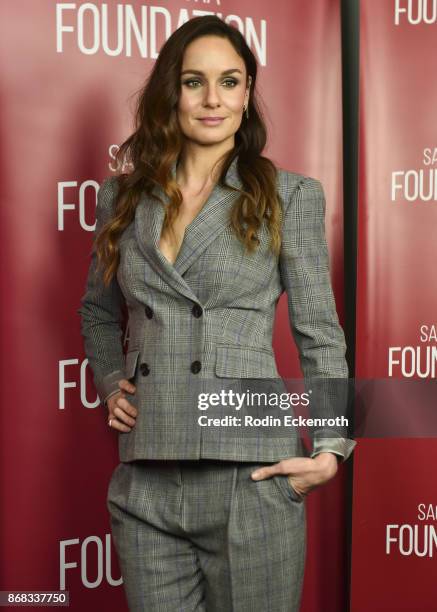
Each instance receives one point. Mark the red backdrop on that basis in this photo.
(397, 302)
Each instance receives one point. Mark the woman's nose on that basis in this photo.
(212, 97)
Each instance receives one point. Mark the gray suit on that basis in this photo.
(193, 531)
(210, 317)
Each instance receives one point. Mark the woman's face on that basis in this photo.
(213, 85)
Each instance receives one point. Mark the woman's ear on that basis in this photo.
(247, 91)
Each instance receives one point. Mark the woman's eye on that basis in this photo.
(231, 82)
(190, 81)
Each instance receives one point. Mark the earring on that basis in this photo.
(246, 109)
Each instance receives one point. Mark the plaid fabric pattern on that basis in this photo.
(202, 535)
(210, 316)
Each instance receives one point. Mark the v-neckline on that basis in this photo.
(187, 227)
(199, 232)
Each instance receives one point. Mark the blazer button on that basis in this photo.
(144, 369)
(197, 311)
(149, 312)
(196, 367)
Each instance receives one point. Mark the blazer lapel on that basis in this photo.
(209, 222)
(212, 219)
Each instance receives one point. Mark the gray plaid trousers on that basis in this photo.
(201, 535)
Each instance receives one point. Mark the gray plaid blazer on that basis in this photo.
(209, 316)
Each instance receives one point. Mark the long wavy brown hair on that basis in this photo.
(158, 140)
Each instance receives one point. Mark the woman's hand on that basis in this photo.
(303, 473)
(122, 413)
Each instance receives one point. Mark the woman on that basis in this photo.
(199, 241)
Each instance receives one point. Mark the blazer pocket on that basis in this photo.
(244, 362)
(131, 361)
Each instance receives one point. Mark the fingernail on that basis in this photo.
(256, 475)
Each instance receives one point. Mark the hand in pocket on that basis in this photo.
(303, 473)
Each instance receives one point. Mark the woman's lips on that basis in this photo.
(212, 120)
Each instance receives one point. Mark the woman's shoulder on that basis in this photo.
(288, 182)
(108, 189)
(109, 185)
(106, 197)
(289, 178)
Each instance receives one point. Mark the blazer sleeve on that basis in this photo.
(305, 276)
(101, 310)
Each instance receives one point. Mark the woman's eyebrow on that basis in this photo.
(202, 73)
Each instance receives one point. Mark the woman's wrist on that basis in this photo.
(328, 462)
